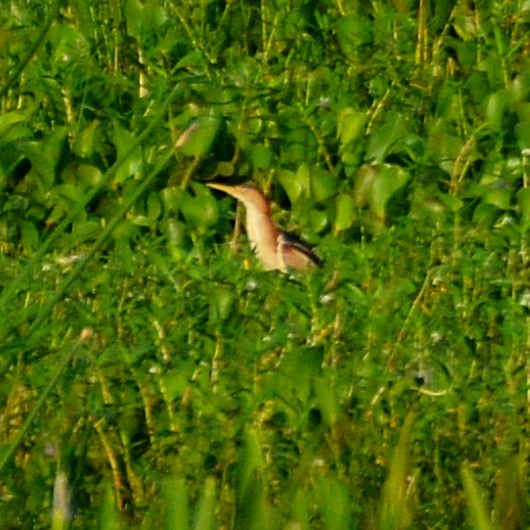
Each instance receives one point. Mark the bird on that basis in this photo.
(275, 249)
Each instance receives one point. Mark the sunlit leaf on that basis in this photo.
(172, 198)
(476, 501)
(499, 196)
(296, 183)
(10, 118)
(351, 125)
(89, 175)
(345, 212)
(363, 184)
(206, 508)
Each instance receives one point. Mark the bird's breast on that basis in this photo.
(263, 237)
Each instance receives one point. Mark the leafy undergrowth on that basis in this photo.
(154, 378)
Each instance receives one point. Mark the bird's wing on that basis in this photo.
(295, 254)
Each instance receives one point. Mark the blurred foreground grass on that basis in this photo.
(152, 380)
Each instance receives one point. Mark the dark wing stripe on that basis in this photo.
(293, 241)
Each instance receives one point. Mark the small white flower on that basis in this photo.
(251, 285)
(155, 369)
(326, 298)
(525, 299)
(436, 336)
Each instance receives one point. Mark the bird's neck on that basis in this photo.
(263, 236)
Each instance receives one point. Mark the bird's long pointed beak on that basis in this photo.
(237, 192)
(252, 198)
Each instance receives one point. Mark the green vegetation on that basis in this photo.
(154, 378)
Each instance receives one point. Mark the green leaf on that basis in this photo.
(495, 107)
(298, 143)
(345, 212)
(334, 503)
(250, 487)
(200, 209)
(396, 509)
(86, 142)
(175, 233)
(383, 139)
(135, 18)
(523, 201)
(70, 191)
(386, 183)
(194, 59)
(353, 31)
(199, 136)
(221, 302)
(206, 508)
(261, 156)
(499, 196)
(8, 119)
(363, 183)
(171, 198)
(109, 518)
(375, 185)
(323, 184)
(319, 220)
(154, 206)
(225, 169)
(29, 236)
(510, 491)
(476, 501)
(451, 202)
(176, 502)
(45, 155)
(296, 183)
(132, 164)
(250, 463)
(89, 176)
(351, 126)
(326, 400)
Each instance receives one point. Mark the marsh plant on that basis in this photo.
(153, 376)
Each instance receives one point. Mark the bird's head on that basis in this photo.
(252, 198)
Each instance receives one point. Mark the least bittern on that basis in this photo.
(275, 249)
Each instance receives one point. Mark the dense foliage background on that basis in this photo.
(153, 377)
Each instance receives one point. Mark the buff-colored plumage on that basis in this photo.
(275, 249)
